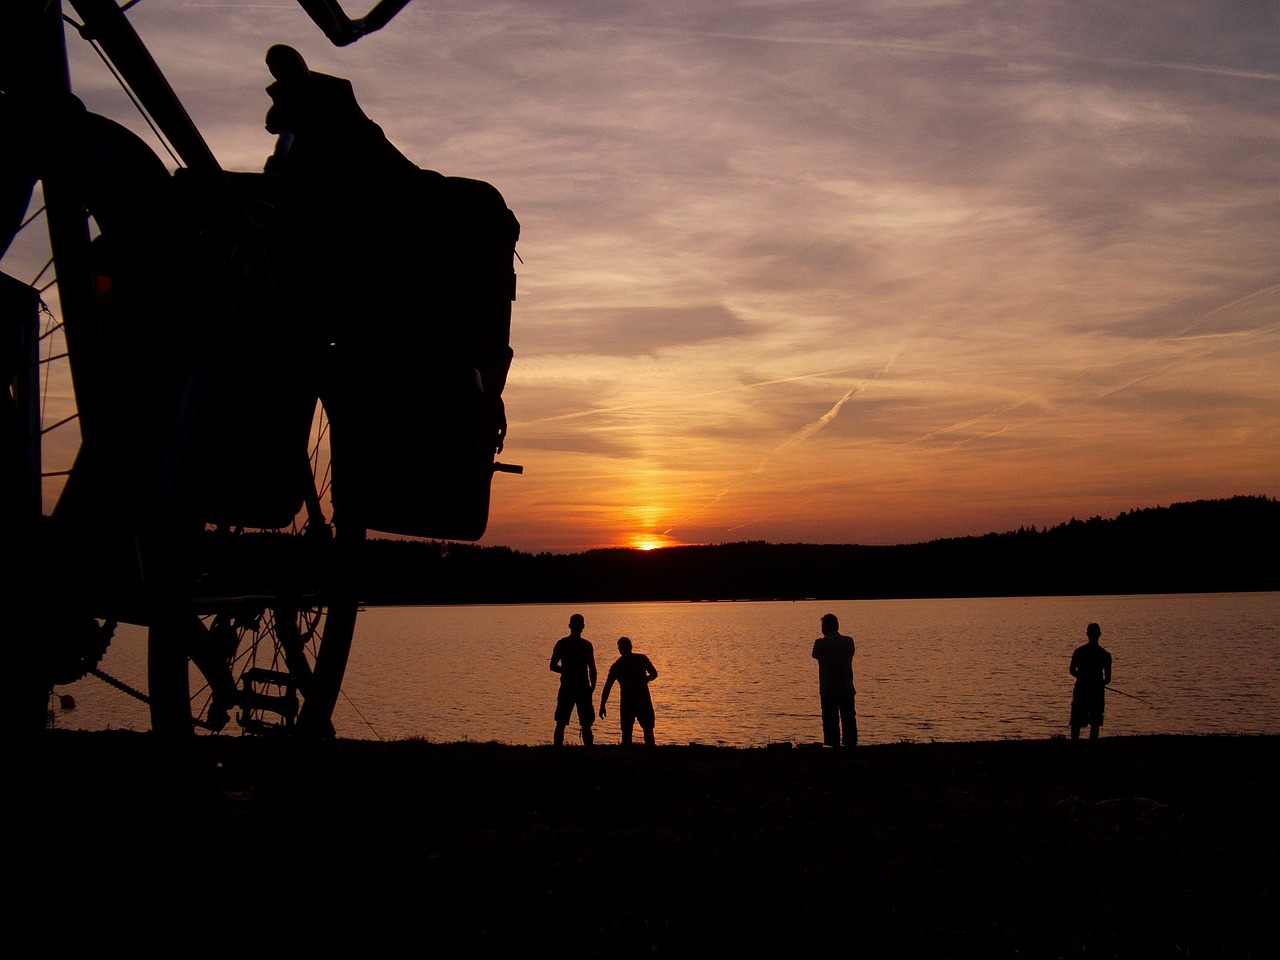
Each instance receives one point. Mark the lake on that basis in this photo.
(740, 674)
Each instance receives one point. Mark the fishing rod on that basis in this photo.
(1130, 696)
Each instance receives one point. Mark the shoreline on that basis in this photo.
(1128, 846)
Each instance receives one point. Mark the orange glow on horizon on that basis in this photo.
(650, 541)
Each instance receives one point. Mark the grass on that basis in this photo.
(1124, 847)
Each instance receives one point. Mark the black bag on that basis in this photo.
(418, 412)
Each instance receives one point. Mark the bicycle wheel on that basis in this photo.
(261, 645)
(57, 637)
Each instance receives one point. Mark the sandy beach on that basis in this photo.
(1124, 847)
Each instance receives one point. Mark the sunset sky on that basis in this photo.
(832, 272)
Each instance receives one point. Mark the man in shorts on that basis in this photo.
(575, 660)
(1091, 666)
(632, 671)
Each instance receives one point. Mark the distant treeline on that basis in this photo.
(1204, 546)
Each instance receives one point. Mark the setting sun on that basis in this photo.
(648, 541)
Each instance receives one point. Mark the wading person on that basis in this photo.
(633, 672)
(575, 660)
(1091, 666)
(834, 653)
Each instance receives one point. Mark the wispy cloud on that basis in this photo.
(870, 272)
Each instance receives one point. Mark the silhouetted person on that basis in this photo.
(834, 653)
(632, 671)
(575, 660)
(1091, 666)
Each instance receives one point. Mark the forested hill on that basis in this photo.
(1204, 546)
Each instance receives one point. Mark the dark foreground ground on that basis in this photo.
(1127, 847)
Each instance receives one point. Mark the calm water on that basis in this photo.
(740, 674)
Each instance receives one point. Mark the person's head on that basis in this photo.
(1093, 631)
(624, 644)
(576, 623)
(830, 623)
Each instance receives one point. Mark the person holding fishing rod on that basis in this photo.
(1091, 666)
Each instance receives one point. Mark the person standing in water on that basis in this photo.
(575, 660)
(633, 672)
(834, 653)
(1091, 666)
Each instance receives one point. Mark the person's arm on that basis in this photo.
(608, 685)
(591, 667)
(815, 648)
(1074, 669)
(1106, 670)
(650, 671)
(555, 659)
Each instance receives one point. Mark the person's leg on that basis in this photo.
(1079, 712)
(586, 717)
(627, 714)
(830, 721)
(849, 717)
(644, 713)
(1093, 730)
(564, 709)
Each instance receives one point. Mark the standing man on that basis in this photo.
(1091, 666)
(575, 660)
(834, 653)
(633, 671)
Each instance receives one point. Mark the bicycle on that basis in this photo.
(234, 443)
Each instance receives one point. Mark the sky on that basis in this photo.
(827, 272)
